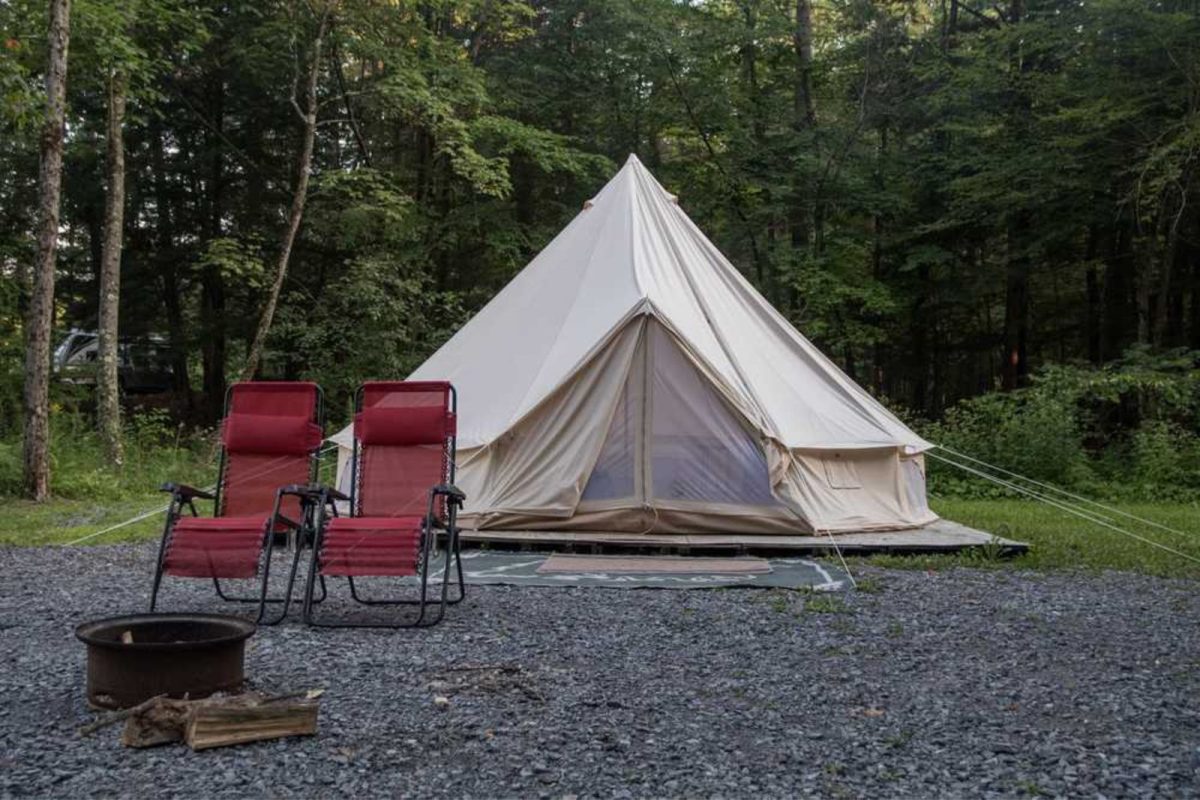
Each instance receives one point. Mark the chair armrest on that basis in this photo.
(309, 491)
(456, 495)
(185, 493)
(313, 491)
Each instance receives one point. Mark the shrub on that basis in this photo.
(155, 451)
(1126, 430)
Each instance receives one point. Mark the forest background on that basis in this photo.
(985, 213)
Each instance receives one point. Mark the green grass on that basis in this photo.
(1059, 540)
(60, 521)
(90, 497)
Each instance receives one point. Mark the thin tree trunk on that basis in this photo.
(172, 302)
(41, 302)
(1016, 307)
(1194, 313)
(804, 107)
(108, 390)
(309, 116)
(804, 118)
(1167, 257)
(1016, 289)
(1143, 265)
(212, 283)
(1094, 314)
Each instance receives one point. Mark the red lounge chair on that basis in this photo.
(270, 440)
(402, 495)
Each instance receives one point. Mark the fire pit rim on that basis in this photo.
(240, 630)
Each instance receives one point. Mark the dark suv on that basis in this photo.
(143, 366)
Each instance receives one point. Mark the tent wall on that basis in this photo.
(736, 519)
(855, 490)
(673, 457)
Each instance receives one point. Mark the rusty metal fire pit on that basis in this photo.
(136, 657)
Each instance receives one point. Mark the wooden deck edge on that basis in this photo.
(948, 538)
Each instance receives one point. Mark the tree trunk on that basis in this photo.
(1143, 265)
(1016, 308)
(212, 294)
(749, 56)
(1016, 283)
(299, 196)
(1094, 313)
(804, 107)
(1194, 313)
(1167, 257)
(804, 118)
(41, 302)
(181, 388)
(108, 390)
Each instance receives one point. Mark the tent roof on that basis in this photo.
(633, 250)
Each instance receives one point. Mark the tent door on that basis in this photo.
(673, 441)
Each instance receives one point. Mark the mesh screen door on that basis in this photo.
(673, 438)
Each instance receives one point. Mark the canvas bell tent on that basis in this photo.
(630, 379)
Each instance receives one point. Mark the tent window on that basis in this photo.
(840, 472)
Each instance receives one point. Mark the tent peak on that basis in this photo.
(633, 159)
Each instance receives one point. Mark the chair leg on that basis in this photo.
(421, 602)
(287, 595)
(462, 584)
(445, 583)
(246, 599)
(306, 611)
(158, 566)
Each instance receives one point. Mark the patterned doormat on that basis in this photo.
(524, 569)
(639, 565)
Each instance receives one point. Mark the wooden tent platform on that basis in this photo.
(943, 536)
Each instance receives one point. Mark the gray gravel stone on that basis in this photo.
(952, 684)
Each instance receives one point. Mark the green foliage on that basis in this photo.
(157, 450)
(1126, 430)
(945, 157)
(11, 358)
(236, 260)
(1028, 432)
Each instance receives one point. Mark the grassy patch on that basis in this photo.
(1059, 540)
(60, 521)
(88, 495)
(825, 604)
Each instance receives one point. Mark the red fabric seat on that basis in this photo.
(403, 454)
(219, 547)
(375, 546)
(270, 438)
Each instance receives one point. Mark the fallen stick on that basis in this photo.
(117, 716)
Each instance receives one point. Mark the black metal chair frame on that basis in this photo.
(183, 496)
(431, 526)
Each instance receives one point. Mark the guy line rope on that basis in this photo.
(1055, 502)
(1063, 505)
(162, 509)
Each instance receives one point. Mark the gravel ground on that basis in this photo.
(952, 684)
